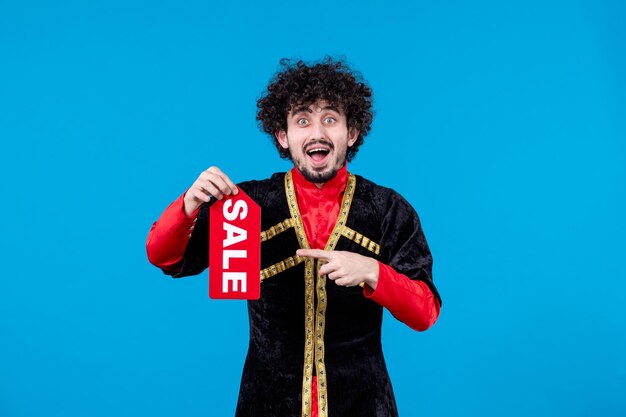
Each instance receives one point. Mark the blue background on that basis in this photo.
(503, 123)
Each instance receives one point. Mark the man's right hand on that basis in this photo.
(212, 182)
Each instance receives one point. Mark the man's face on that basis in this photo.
(318, 138)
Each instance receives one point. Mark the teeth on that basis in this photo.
(324, 150)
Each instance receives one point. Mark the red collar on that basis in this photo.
(338, 183)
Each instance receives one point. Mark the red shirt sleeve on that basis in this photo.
(410, 301)
(169, 235)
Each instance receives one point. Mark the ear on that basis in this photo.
(281, 137)
(353, 135)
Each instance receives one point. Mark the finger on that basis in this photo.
(231, 185)
(212, 190)
(344, 282)
(334, 275)
(327, 268)
(200, 195)
(217, 181)
(315, 253)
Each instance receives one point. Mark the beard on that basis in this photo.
(320, 177)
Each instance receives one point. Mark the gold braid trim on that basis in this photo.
(311, 274)
(321, 299)
(276, 229)
(281, 266)
(309, 295)
(320, 325)
(359, 239)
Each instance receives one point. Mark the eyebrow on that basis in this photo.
(303, 108)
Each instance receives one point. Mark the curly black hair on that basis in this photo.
(298, 84)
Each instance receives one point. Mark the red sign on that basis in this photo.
(235, 248)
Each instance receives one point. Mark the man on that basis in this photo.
(336, 249)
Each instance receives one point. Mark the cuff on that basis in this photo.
(410, 301)
(169, 235)
(381, 293)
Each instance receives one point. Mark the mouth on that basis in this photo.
(318, 153)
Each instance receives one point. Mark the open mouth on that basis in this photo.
(318, 153)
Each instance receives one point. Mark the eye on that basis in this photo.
(302, 122)
(330, 120)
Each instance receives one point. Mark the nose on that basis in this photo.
(318, 131)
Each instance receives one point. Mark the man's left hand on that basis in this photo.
(347, 269)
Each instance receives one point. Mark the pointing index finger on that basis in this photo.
(315, 253)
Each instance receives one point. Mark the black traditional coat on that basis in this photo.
(304, 324)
